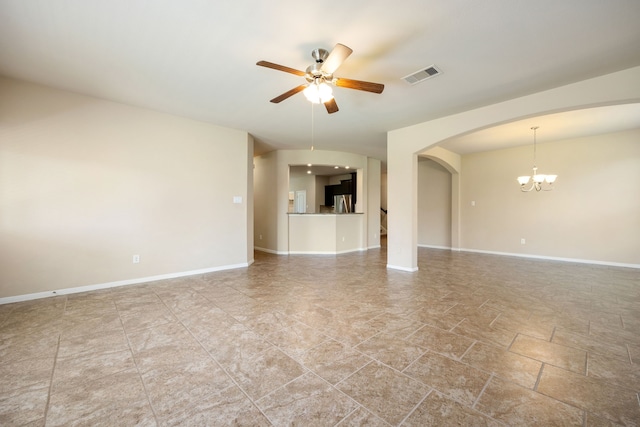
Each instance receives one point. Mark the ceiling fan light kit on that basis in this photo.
(319, 76)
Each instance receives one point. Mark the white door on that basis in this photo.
(301, 201)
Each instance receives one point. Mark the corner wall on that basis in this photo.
(85, 184)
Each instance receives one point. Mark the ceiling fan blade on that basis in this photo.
(337, 56)
(289, 93)
(280, 68)
(331, 105)
(359, 85)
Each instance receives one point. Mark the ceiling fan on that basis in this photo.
(320, 74)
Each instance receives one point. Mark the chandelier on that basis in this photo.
(538, 181)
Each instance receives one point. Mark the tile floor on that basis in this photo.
(469, 339)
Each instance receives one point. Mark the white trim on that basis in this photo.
(270, 251)
(397, 267)
(326, 252)
(434, 247)
(550, 258)
(66, 291)
(374, 247)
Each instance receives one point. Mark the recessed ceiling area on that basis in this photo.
(552, 127)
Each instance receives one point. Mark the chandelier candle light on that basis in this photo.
(537, 179)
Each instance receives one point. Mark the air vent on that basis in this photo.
(419, 76)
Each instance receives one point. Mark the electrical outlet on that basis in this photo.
(261, 237)
(523, 241)
(136, 259)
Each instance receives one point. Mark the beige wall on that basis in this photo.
(85, 184)
(593, 214)
(434, 205)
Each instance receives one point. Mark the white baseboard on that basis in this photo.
(270, 251)
(550, 258)
(75, 290)
(397, 267)
(543, 257)
(326, 252)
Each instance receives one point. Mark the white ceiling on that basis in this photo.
(197, 58)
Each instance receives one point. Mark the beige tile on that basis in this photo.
(532, 328)
(229, 344)
(103, 342)
(634, 353)
(441, 341)
(75, 370)
(228, 406)
(204, 323)
(362, 417)
(592, 394)
(455, 379)
(154, 315)
(113, 400)
(296, 339)
(589, 343)
(383, 391)
(438, 410)
(24, 406)
(516, 405)
(595, 421)
(20, 347)
(554, 354)
(309, 401)
(505, 364)
(486, 334)
(391, 350)
(175, 388)
(264, 372)
(168, 344)
(89, 324)
(27, 373)
(267, 322)
(619, 372)
(396, 325)
(350, 334)
(334, 361)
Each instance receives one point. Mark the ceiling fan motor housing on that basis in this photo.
(319, 55)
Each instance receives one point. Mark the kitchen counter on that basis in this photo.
(325, 233)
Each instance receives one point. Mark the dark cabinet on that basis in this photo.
(346, 186)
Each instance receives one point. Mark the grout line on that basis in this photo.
(621, 321)
(535, 387)
(467, 350)
(553, 333)
(473, 406)
(133, 356)
(494, 320)
(584, 418)
(416, 407)
(629, 353)
(513, 341)
(488, 299)
(586, 363)
(456, 325)
(356, 371)
(53, 371)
